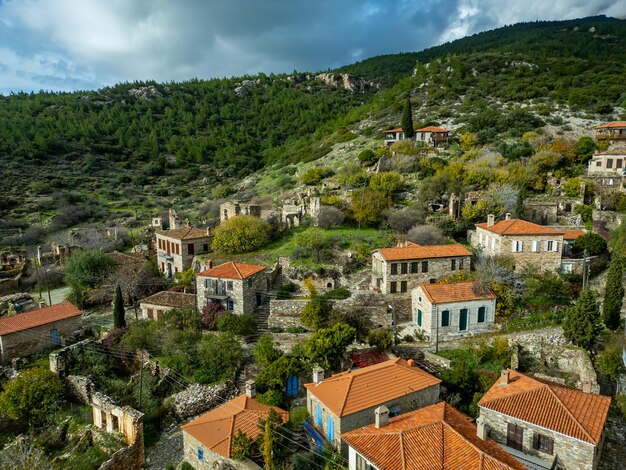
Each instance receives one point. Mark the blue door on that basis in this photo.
(54, 337)
(292, 386)
(330, 429)
(318, 416)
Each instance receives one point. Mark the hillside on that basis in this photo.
(124, 152)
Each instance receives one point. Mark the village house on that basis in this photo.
(544, 424)
(611, 131)
(446, 311)
(230, 209)
(347, 400)
(607, 163)
(208, 439)
(403, 267)
(528, 244)
(154, 306)
(437, 436)
(176, 248)
(431, 136)
(23, 334)
(238, 287)
(569, 236)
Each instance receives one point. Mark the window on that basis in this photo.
(200, 453)
(208, 283)
(461, 263)
(177, 249)
(230, 305)
(250, 282)
(419, 317)
(536, 246)
(445, 318)
(517, 246)
(403, 286)
(543, 443)
(205, 247)
(598, 163)
(481, 314)
(361, 463)
(609, 163)
(191, 249)
(404, 268)
(549, 245)
(514, 436)
(394, 269)
(619, 163)
(150, 314)
(229, 285)
(453, 265)
(424, 266)
(393, 287)
(414, 267)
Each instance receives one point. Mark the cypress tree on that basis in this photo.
(613, 295)
(119, 314)
(582, 322)
(407, 119)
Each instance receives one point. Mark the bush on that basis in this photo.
(316, 312)
(386, 182)
(314, 241)
(367, 156)
(241, 234)
(426, 235)
(340, 293)
(211, 314)
(592, 242)
(351, 175)
(218, 356)
(329, 216)
(610, 363)
(571, 187)
(221, 191)
(401, 220)
(270, 398)
(242, 325)
(382, 339)
(585, 211)
(368, 205)
(313, 176)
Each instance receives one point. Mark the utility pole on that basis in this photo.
(141, 384)
(394, 323)
(36, 261)
(437, 331)
(585, 271)
(45, 272)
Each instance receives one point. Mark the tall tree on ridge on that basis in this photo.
(407, 119)
(119, 314)
(613, 294)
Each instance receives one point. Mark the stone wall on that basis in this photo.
(243, 294)
(286, 313)
(211, 460)
(197, 399)
(80, 388)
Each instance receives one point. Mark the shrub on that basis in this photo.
(571, 187)
(367, 156)
(592, 242)
(241, 234)
(368, 205)
(314, 241)
(426, 235)
(386, 182)
(610, 363)
(351, 175)
(243, 325)
(221, 191)
(316, 312)
(585, 211)
(313, 176)
(211, 314)
(330, 216)
(401, 220)
(270, 398)
(382, 339)
(264, 351)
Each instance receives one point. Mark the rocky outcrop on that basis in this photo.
(197, 398)
(345, 81)
(145, 93)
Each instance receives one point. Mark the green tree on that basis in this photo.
(386, 182)
(32, 397)
(218, 357)
(184, 318)
(271, 442)
(264, 351)
(242, 447)
(407, 119)
(316, 312)
(367, 156)
(241, 234)
(572, 187)
(84, 269)
(329, 344)
(592, 242)
(382, 339)
(221, 191)
(313, 176)
(119, 314)
(368, 205)
(582, 321)
(584, 148)
(242, 325)
(613, 294)
(610, 362)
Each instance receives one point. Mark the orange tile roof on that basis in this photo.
(518, 227)
(232, 270)
(549, 405)
(573, 234)
(432, 129)
(456, 292)
(184, 233)
(41, 316)
(170, 299)
(355, 390)
(412, 251)
(216, 429)
(611, 125)
(437, 436)
(397, 129)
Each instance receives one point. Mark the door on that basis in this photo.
(292, 386)
(258, 299)
(330, 429)
(463, 319)
(54, 337)
(515, 436)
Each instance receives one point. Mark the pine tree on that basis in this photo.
(119, 314)
(582, 322)
(407, 120)
(613, 295)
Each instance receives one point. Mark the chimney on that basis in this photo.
(481, 429)
(504, 377)
(251, 388)
(490, 220)
(507, 216)
(410, 363)
(42, 303)
(586, 386)
(208, 231)
(381, 416)
(318, 375)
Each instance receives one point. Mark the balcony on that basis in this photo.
(219, 294)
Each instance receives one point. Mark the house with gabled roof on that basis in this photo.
(446, 311)
(401, 268)
(437, 436)
(208, 439)
(544, 423)
(430, 135)
(177, 247)
(25, 333)
(237, 287)
(154, 306)
(528, 244)
(611, 131)
(347, 400)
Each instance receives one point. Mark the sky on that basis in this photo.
(66, 45)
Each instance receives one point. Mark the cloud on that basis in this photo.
(69, 44)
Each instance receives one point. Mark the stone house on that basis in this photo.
(238, 287)
(431, 136)
(544, 424)
(230, 209)
(176, 248)
(23, 334)
(403, 267)
(528, 244)
(611, 131)
(154, 306)
(569, 236)
(437, 436)
(446, 311)
(607, 163)
(208, 439)
(347, 400)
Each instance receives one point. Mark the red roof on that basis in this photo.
(411, 251)
(573, 234)
(437, 436)
(549, 405)
(217, 428)
(34, 318)
(232, 270)
(185, 233)
(432, 129)
(397, 129)
(455, 292)
(612, 125)
(368, 358)
(518, 227)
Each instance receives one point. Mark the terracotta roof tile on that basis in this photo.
(437, 436)
(396, 129)
(611, 125)
(432, 129)
(455, 292)
(572, 234)
(232, 270)
(41, 316)
(549, 405)
(412, 251)
(171, 299)
(216, 429)
(518, 227)
(184, 233)
(354, 390)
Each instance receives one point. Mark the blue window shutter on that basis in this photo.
(419, 317)
(330, 429)
(200, 453)
(318, 416)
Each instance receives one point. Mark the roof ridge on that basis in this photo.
(402, 450)
(570, 414)
(345, 398)
(237, 269)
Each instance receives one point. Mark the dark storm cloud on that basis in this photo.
(70, 44)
